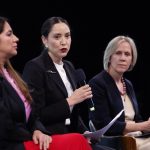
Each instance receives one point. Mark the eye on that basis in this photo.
(57, 36)
(127, 54)
(9, 33)
(118, 53)
(67, 35)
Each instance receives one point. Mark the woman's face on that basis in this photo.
(121, 60)
(58, 41)
(8, 42)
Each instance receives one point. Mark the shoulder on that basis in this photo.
(128, 83)
(98, 81)
(40, 60)
(34, 63)
(32, 69)
(68, 63)
(99, 78)
(102, 81)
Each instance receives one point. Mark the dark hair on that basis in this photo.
(2, 22)
(21, 84)
(49, 23)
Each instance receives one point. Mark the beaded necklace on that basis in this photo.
(124, 87)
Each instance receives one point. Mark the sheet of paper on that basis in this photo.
(99, 133)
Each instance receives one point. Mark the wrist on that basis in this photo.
(70, 103)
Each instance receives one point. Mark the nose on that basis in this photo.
(63, 41)
(16, 39)
(123, 57)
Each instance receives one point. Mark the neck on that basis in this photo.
(115, 75)
(118, 78)
(55, 59)
(3, 60)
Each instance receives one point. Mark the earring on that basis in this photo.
(46, 46)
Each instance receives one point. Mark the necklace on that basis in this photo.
(123, 92)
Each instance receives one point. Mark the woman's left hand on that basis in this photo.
(88, 139)
(42, 139)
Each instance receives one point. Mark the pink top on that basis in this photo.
(12, 82)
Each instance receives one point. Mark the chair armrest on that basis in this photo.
(119, 142)
(129, 143)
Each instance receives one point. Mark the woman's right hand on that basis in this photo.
(79, 95)
(42, 139)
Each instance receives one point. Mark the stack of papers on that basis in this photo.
(99, 133)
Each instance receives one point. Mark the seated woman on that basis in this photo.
(52, 81)
(112, 92)
(19, 128)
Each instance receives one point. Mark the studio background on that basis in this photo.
(93, 25)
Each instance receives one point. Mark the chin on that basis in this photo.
(12, 54)
(122, 71)
(64, 55)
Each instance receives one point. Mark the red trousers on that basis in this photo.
(70, 141)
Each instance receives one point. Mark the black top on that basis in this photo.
(108, 103)
(49, 93)
(13, 126)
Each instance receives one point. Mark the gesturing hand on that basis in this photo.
(79, 95)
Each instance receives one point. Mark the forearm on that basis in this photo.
(133, 126)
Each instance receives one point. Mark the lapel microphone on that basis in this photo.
(81, 80)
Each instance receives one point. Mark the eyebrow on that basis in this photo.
(60, 33)
(9, 30)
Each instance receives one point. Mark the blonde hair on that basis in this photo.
(112, 46)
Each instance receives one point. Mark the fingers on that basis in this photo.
(42, 139)
(49, 140)
(79, 95)
(45, 142)
(86, 87)
(87, 93)
(35, 140)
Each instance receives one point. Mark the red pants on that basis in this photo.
(71, 141)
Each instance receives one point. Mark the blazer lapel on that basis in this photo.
(53, 73)
(130, 94)
(70, 76)
(113, 93)
(16, 98)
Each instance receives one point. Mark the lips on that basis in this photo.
(15, 47)
(63, 50)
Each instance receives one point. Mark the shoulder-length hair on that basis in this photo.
(113, 45)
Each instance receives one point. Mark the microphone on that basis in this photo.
(81, 80)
